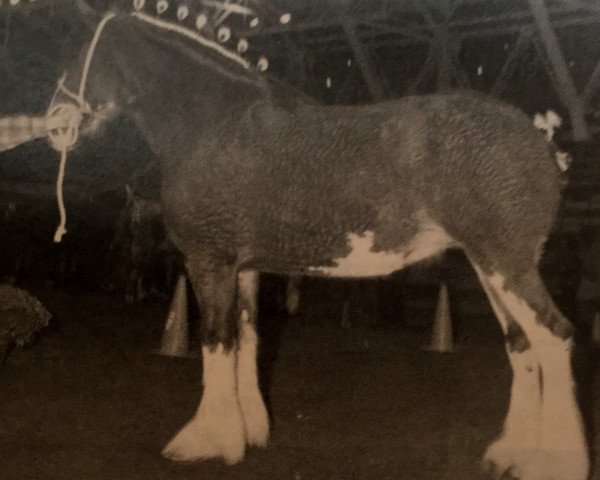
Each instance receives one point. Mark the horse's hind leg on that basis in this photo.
(520, 437)
(545, 336)
(256, 420)
(217, 429)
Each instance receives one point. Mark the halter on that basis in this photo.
(61, 139)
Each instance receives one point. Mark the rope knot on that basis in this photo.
(62, 123)
(63, 120)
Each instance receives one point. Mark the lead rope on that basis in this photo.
(63, 138)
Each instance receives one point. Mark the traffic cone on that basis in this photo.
(175, 340)
(292, 295)
(442, 337)
(596, 329)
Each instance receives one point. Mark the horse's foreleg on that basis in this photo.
(255, 415)
(217, 430)
(561, 452)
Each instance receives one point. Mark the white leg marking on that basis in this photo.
(562, 452)
(254, 412)
(217, 429)
(520, 436)
(562, 439)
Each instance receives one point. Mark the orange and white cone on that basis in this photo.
(442, 339)
(175, 340)
(292, 295)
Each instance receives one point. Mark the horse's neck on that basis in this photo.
(173, 88)
(189, 114)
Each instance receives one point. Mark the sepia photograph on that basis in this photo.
(299, 239)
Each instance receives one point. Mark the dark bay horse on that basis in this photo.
(255, 178)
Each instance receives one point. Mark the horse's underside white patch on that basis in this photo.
(362, 261)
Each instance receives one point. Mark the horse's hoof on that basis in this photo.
(557, 465)
(256, 419)
(209, 436)
(506, 459)
(498, 471)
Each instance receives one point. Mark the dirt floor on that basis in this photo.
(91, 401)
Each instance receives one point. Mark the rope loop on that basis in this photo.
(63, 120)
(62, 123)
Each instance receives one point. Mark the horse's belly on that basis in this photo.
(362, 261)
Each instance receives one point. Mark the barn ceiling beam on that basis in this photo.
(379, 32)
(592, 7)
(485, 27)
(365, 63)
(512, 62)
(476, 27)
(336, 41)
(526, 16)
(420, 34)
(490, 32)
(558, 68)
(445, 47)
(591, 88)
(332, 44)
(542, 55)
(423, 9)
(425, 72)
(417, 34)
